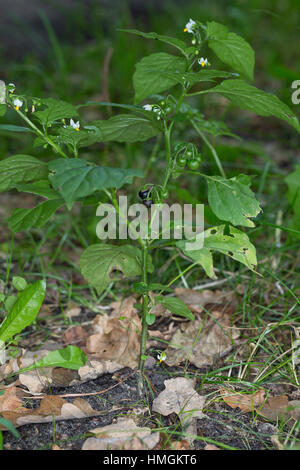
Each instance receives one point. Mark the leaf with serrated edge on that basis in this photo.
(149, 78)
(98, 261)
(21, 169)
(232, 200)
(257, 101)
(236, 245)
(74, 178)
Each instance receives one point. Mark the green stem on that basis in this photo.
(43, 136)
(144, 332)
(213, 151)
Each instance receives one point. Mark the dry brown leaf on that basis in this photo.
(211, 447)
(276, 407)
(246, 402)
(75, 335)
(180, 445)
(114, 339)
(180, 397)
(202, 341)
(196, 300)
(124, 434)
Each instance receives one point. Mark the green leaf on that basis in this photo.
(252, 99)
(196, 77)
(70, 357)
(3, 109)
(98, 262)
(9, 426)
(10, 302)
(236, 245)
(180, 45)
(54, 111)
(74, 178)
(231, 49)
(293, 195)
(21, 169)
(24, 311)
(124, 128)
(12, 128)
(149, 78)
(40, 188)
(175, 305)
(25, 219)
(19, 283)
(232, 199)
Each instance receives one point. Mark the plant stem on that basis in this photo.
(40, 134)
(214, 153)
(144, 309)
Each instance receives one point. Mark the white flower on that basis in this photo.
(18, 103)
(75, 125)
(148, 107)
(202, 62)
(189, 27)
(12, 85)
(162, 357)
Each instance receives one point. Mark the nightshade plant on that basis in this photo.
(68, 178)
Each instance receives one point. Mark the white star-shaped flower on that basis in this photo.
(162, 357)
(189, 27)
(148, 107)
(203, 62)
(18, 103)
(75, 125)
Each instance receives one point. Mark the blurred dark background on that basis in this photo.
(72, 50)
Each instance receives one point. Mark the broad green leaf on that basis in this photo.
(232, 49)
(252, 99)
(236, 245)
(98, 262)
(2, 109)
(175, 305)
(54, 111)
(232, 199)
(124, 128)
(70, 357)
(19, 283)
(74, 178)
(180, 45)
(21, 169)
(149, 78)
(40, 188)
(24, 311)
(12, 128)
(10, 302)
(216, 128)
(196, 77)
(293, 195)
(25, 219)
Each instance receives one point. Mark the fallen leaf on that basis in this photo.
(196, 300)
(124, 434)
(211, 447)
(180, 397)
(202, 341)
(246, 402)
(116, 339)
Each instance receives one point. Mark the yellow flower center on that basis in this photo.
(77, 128)
(185, 30)
(17, 108)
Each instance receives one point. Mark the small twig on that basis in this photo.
(70, 395)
